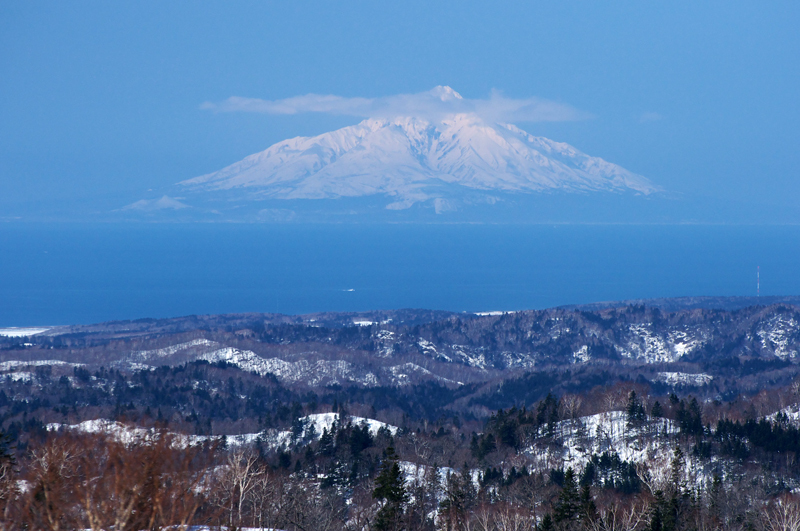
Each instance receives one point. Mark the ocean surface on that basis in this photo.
(69, 274)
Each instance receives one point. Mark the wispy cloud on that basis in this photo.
(650, 117)
(434, 104)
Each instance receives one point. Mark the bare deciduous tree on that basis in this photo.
(51, 503)
(782, 515)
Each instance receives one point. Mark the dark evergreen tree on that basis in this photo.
(390, 489)
(657, 411)
(589, 513)
(568, 506)
(634, 411)
(547, 524)
(326, 446)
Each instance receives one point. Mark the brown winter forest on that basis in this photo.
(714, 475)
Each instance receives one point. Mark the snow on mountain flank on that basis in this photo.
(778, 335)
(643, 343)
(581, 355)
(312, 427)
(610, 432)
(128, 434)
(149, 355)
(412, 160)
(311, 373)
(683, 378)
(791, 412)
(325, 421)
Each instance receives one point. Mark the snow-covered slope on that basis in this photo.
(21, 332)
(312, 429)
(322, 372)
(412, 160)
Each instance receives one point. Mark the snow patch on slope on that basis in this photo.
(645, 344)
(684, 378)
(128, 434)
(581, 355)
(312, 427)
(313, 374)
(778, 335)
(610, 432)
(156, 354)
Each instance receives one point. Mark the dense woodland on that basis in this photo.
(622, 419)
(721, 468)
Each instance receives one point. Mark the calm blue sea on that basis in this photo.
(69, 274)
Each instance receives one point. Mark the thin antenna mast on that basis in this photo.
(758, 281)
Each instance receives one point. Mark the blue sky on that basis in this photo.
(101, 101)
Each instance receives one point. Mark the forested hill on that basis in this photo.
(623, 418)
(715, 353)
(692, 303)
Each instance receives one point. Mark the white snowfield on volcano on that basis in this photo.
(413, 160)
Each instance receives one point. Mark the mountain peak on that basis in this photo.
(445, 93)
(409, 160)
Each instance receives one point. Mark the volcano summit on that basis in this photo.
(451, 158)
(413, 160)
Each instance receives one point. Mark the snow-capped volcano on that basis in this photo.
(413, 160)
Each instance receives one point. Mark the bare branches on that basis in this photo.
(96, 483)
(782, 515)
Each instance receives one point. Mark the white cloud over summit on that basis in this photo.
(433, 105)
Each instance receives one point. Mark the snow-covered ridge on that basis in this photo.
(312, 429)
(411, 159)
(325, 421)
(305, 371)
(128, 434)
(610, 432)
(321, 372)
(22, 332)
(149, 355)
(311, 373)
